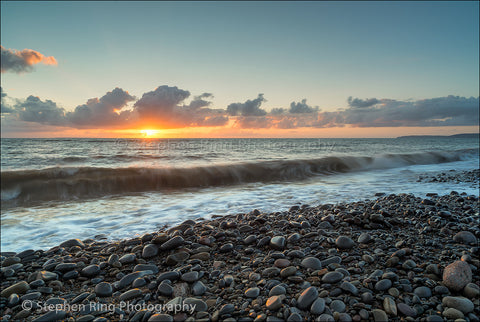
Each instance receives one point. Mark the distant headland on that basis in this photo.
(463, 136)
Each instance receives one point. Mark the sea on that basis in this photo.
(56, 189)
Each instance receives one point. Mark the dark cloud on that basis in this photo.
(278, 111)
(302, 107)
(104, 111)
(160, 103)
(33, 109)
(199, 101)
(441, 111)
(214, 120)
(253, 122)
(165, 107)
(19, 61)
(5, 108)
(249, 108)
(356, 102)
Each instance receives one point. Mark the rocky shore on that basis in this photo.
(397, 257)
(454, 176)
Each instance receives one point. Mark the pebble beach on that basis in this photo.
(395, 257)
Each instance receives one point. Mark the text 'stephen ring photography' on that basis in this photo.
(240, 161)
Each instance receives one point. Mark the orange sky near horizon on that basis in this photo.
(48, 131)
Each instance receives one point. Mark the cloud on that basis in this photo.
(441, 111)
(161, 102)
(278, 111)
(22, 61)
(199, 101)
(249, 108)
(104, 111)
(302, 107)
(167, 107)
(253, 122)
(356, 102)
(5, 108)
(33, 109)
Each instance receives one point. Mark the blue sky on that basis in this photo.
(321, 51)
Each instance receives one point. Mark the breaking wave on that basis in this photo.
(67, 183)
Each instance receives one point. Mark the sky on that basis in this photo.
(239, 69)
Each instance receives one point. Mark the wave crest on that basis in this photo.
(66, 183)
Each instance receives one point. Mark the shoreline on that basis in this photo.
(387, 258)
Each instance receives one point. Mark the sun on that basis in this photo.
(148, 133)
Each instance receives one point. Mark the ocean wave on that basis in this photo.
(67, 183)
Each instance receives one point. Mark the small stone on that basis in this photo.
(130, 294)
(51, 316)
(364, 238)
(65, 267)
(150, 251)
(332, 277)
(71, 243)
(171, 275)
(434, 318)
(331, 260)
(389, 306)
(177, 258)
(277, 290)
(423, 291)
(128, 279)
(199, 288)
(465, 237)
(103, 289)
(277, 242)
(383, 285)
(318, 306)
(337, 306)
(90, 271)
(307, 297)
(181, 289)
(203, 256)
(18, 288)
(252, 292)
(288, 271)
(471, 291)
(344, 242)
(349, 287)
(200, 305)
(226, 309)
(409, 264)
(379, 315)
(295, 317)
(190, 277)
(251, 239)
(312, 263)
(226, 248)
(406, 310)
(460, 303)
(127, 258)
(457, 275)
(47, 276)
(274, 302)
(10, 261)
(281, 263)
(165, 289)
(326, 318)
(172, 243)
(452, 314)
(13, 300)
(160, 318)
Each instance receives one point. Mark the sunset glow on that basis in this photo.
(149, 133)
